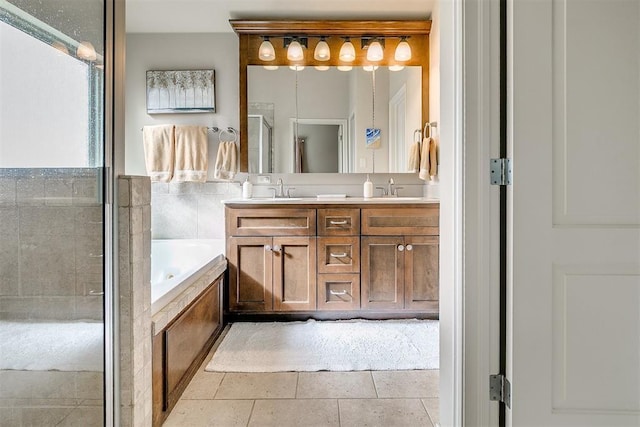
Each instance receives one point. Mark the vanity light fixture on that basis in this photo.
(345, 67)
(294, 51)
(403, 50)
(322, 51)
(347, 51)
(296, 67)
(266, 52)
(370, 67)
(321, 67)
(270, 67)
(374, 51)
(86, 51)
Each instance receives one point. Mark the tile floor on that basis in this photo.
(306, 399)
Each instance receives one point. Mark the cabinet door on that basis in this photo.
(294, 273)
(250, 273)
(382, 265)
(421, 290)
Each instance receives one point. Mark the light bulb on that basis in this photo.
(347, 51)
(396, 67)
(321, 67)
(322, 51)
(266, 52)
(374, 51)
(370, 67)
(403, 51)
(294, 52)
(86, 51)
(345, 67)
(270, 67)
(296, 67)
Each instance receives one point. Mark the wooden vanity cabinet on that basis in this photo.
(272, 259)
(400, 258)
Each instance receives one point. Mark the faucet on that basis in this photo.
(280, 188)
(280, 192)
(391, 190)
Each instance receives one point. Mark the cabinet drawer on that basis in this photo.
(401, 221)
(338, 222)
(271, 222)
(338, 291)
(338, 254)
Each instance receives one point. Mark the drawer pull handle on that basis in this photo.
(409, 247)
(401, 248)
(344, 222)
(342, 255)
(332, 292)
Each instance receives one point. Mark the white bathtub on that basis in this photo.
(176, 264)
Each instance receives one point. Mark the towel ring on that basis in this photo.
(230, 132)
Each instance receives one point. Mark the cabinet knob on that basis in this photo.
(401, 248)
(267, 247)
(277, 248)
(409, 247)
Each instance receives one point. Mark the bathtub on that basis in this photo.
(176, 264)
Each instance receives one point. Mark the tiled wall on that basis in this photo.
(134, 243)
(190, 210)
(51, 244)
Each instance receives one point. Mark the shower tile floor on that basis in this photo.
(366, 398)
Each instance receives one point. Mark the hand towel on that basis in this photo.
(424, 159)
(159, 150)
(433, 157)
(226, 161)
(414, 157)
(191, 154)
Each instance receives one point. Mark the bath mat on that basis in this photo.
(51, 346)
(352, 345)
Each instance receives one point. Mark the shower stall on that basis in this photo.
(260, 144)
(55, 309)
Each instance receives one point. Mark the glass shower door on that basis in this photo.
(52, 245)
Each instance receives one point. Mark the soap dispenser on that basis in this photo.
(247, 188)
(368, 188)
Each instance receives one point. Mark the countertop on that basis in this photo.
(360, 201)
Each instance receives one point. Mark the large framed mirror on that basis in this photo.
(313, 114)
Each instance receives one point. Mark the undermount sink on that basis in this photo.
(391, 199)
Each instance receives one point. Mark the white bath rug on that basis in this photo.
(47, 346)
(353, 345)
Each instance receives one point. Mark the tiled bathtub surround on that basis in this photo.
(51, 252)
(134, 242)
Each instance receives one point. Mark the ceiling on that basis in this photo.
(212, 16)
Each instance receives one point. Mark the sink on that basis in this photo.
(391, 199)
(271, 199)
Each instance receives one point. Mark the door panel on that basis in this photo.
(421, 273)
(382, 278)
(574, 272)
(250, 269)
(294, 271)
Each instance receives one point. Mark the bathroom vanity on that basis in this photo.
(332, 259)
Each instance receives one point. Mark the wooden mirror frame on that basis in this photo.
(251, 32)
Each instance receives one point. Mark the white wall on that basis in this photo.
(179, 52)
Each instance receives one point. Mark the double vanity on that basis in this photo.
(332, 258)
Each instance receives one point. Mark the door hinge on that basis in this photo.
(501, 171)
(500, 389)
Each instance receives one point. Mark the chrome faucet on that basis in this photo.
(280, 188)
(391, 190)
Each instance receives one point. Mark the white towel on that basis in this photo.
(226, 161)
(191, 154)
(159, 151)
(424, 159)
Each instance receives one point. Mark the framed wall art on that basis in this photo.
(187, 91)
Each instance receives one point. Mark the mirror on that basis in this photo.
(334, 108)
(332, 105)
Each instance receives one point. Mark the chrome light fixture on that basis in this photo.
(374, 51)
(266, 52)
(403, 51)
(294, 51)
(347, 51)
(322, 51)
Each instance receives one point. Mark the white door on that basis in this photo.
(574, 212)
